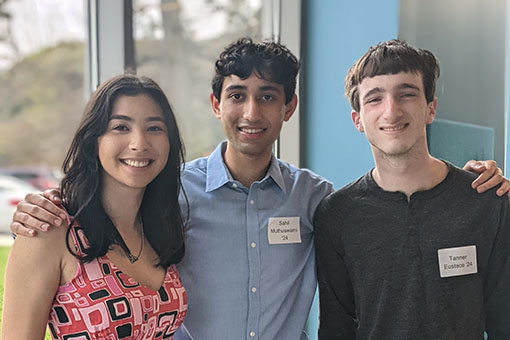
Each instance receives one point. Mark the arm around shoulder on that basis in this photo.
(32, 277)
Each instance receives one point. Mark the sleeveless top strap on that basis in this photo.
(79, 240)
(77, 235)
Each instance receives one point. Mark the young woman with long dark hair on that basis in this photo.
(111, 275)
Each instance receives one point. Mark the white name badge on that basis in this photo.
(283, 230)
(457, 261)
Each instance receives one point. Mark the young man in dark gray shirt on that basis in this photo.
(409, 251)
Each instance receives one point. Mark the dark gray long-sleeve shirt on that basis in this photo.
(378, 266)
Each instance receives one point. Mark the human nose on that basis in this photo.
(138, 141)
(392, 110)
(252, 110)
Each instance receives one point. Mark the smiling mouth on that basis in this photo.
(137, 163)
(395, 128)
(251, 131)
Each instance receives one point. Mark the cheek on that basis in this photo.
(108, 149)
(164, 150)
(102, 149)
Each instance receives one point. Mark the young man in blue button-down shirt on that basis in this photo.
(249, 267)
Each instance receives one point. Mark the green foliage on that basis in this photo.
(42, 100)
(4, 253)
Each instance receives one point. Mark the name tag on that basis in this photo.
(283, 230)
(457, 261)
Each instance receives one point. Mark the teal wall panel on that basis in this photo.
(460, 142)
(337, 33)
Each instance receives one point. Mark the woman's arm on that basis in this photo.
(32, 277)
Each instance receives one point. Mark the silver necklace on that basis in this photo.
(132, 259)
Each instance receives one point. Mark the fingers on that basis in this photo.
(18, 229)
(488, 180)
(490, 177)
(53, 195)
(42, 208)
(38, 213)
(29, 222)
(474, 166)
(504, 188)
(490, 165)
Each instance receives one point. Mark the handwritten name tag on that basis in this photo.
(283, 230)
(457, 261)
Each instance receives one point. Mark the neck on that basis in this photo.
(122, 205)
(408, 174)
(246, 168)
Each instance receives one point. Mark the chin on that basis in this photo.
(251, 150)
(395, 151)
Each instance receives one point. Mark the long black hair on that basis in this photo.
(82, 183)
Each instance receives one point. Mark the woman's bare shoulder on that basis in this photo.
(44, 245)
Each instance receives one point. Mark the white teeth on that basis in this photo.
(136, 164)
(395, 128)
(246, 130)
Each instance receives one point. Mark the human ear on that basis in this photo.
(357, 121)
(432, 107)
(290, 108)
(215, 105)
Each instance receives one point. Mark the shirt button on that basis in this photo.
(252, 202)
(234, 185)
(253, 289)
(252, 334)
(253, 244)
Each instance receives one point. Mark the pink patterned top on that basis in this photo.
(101, 302)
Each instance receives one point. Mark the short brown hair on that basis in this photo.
(392, 57)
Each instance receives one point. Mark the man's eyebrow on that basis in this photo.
(404, 86)
(270, 88)
(401, 86)
(234, 87)
(372, 91)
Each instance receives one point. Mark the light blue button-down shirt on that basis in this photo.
(239, 285)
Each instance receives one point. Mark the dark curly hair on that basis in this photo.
(82, 183)
(392, 57)
(269, 60)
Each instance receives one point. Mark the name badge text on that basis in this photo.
(457, 261)
(283, 230)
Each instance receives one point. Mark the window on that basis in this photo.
(41, 80)
(176, 44)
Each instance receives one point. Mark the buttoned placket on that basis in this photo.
(254, 261)
(413, 246)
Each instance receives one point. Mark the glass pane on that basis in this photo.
(41, 85)
(177, 43)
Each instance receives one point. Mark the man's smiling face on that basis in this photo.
(394, 112)
(252, 112)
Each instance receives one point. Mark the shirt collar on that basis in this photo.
(218, 174)
(275, 173)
